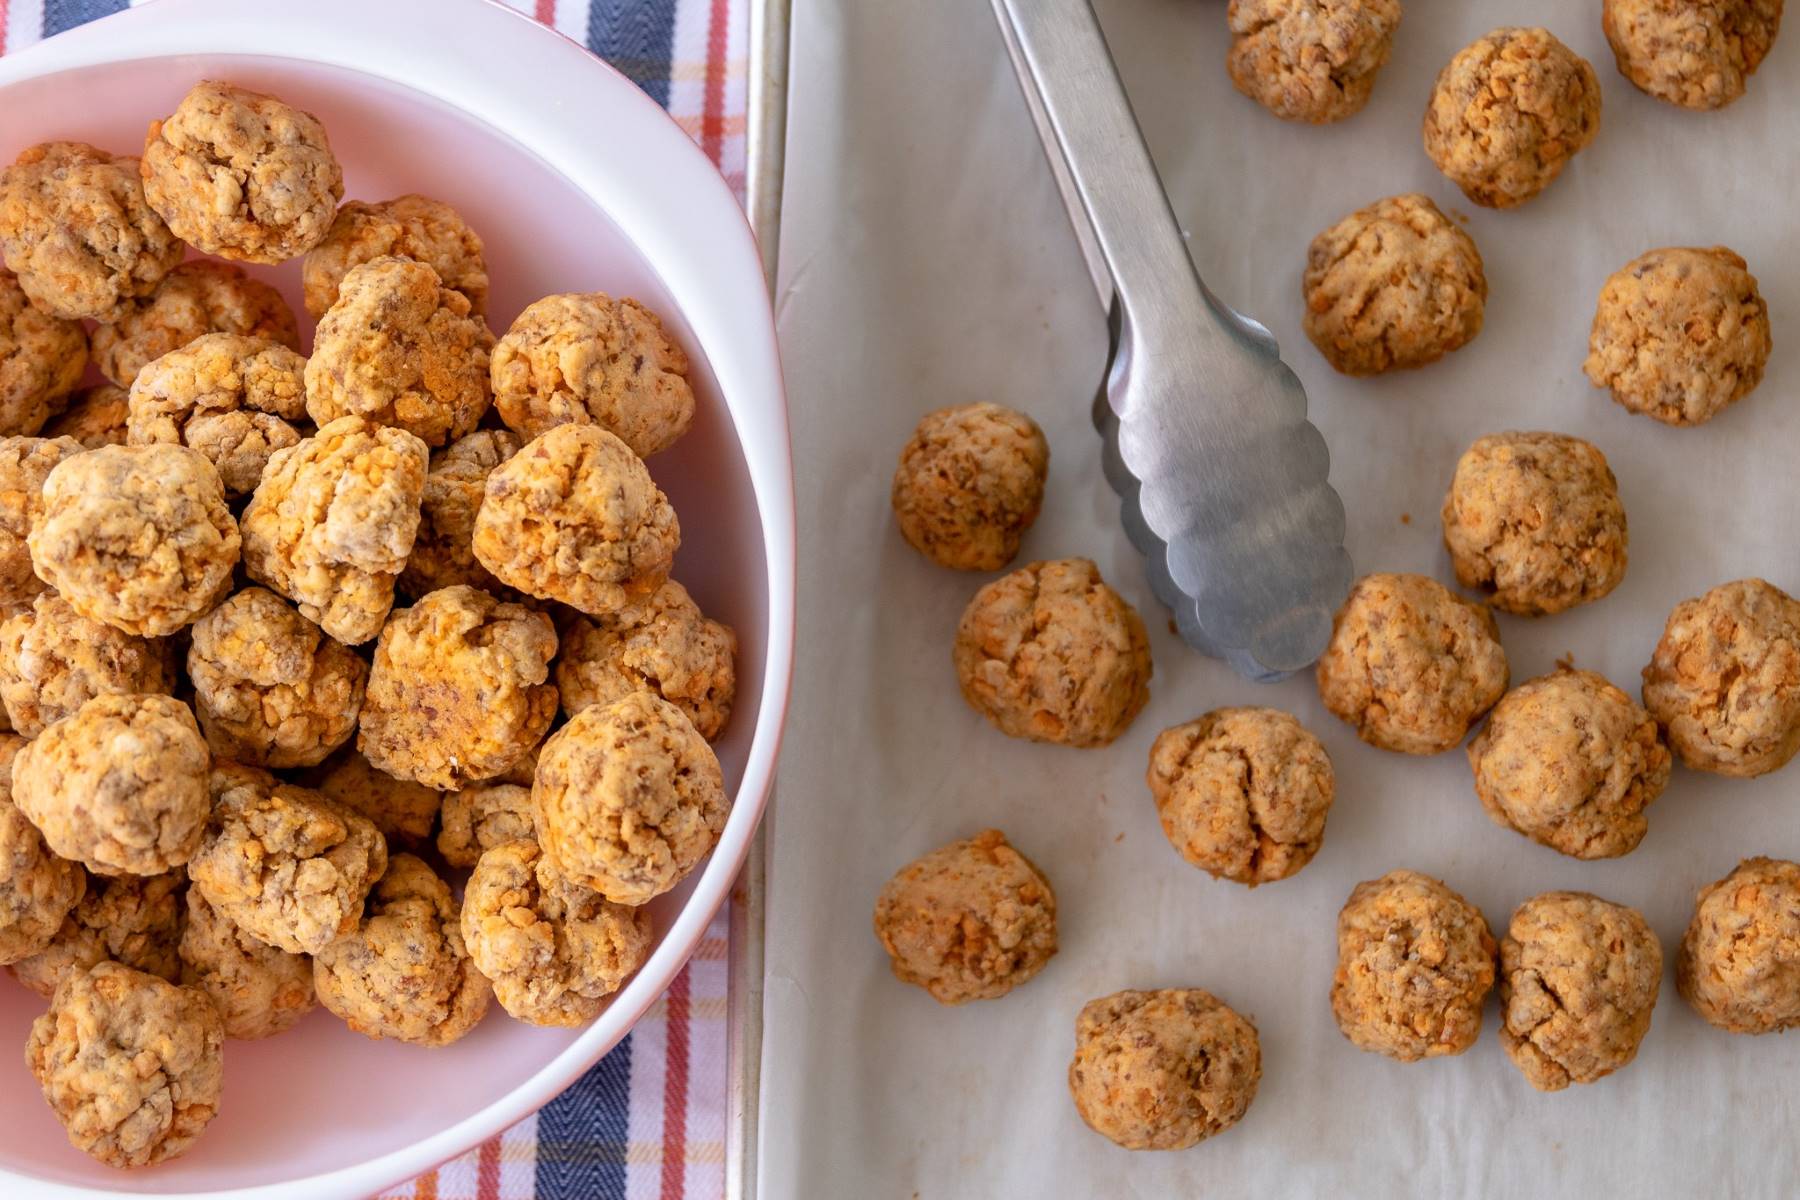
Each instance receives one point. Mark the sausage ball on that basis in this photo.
(574, 516)
(554, 948)
(1242, 793)
(1737, 965)
(270, 688)
(236, 400)
(411, 226)
(1163, 1070)
(242, 175)
(135, 920)
(443, 553)
(76, 231)
(1415, 962)
(1411, 665)
(1534, 520)
(42, 358)
(1698, 54)
(969, 484)
(1578, 978)
(1571, 762)
(120, 786)
(399, 348)
(96, 416)
(259, 990)
(459, 690)
(332, 523)
(130, 1064)
(1680, 334)
(136, 536)
(1508, 113)
(1050, 653)
(25, 462)
(629, 798)
(1394, 285)
(404, 971)
(971, 920)
(197, 298)
(1724, 681)
(53, 660)
(664, 645)
(37, 889)
(1310, 60)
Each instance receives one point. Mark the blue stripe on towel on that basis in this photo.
(583, 1134)
(60, 15)
(637, 37)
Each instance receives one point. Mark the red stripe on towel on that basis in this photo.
(487, 1170)
(546, 12)
(712, 111)
(675, 1088)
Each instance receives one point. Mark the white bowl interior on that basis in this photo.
(321, 1098)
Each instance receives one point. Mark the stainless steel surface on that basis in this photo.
(1221, 478)
(765, 163)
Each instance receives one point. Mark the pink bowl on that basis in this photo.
(577, 182)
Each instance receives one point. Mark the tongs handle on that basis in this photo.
(1127, 230)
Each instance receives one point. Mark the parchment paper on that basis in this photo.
(926, 262)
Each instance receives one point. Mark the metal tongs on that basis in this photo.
(1222, 480)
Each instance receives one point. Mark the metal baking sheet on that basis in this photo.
(926, 261)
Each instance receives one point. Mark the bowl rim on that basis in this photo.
(494, 64)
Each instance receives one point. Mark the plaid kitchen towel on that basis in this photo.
(648, 1122)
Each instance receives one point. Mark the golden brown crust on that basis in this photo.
(240, 174)
(129, 1063)
(1509, 112)
(574, 516)
(235, 399)
(196, 298)
(1415, 961)
(664, 645)
(75, 229)
(96, 417)
(1724, 681)
(588, 358)
(131, 919)
(629, 798)
(25, 462)
(42, 358)
(53, 660)
(270, 688)
(410, 226)
(971, 920)
(119, 786)
(1310, 60)
(1698, 54)
(481, 816)
(259, 991)
(1394, 285)
(1534, 519)
(333, 520)
(37, 889)
(1163, 1070)
(1578, 978)
(1739, 966)
(401, 809)
(399, 348)
(1680, 334)
(458, 692)
(403, 972)
(553, 948)
(1411, 666)
(1571, 762)
(284, 863)
(136, 536)
(1242, 793)
(443, 553)
(969, 484)
(1052, 654)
